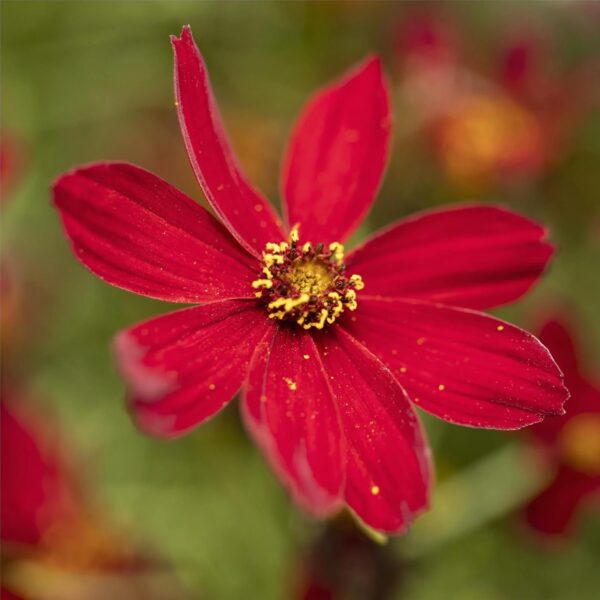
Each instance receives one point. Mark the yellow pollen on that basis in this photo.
(275, 247)
(441, 387)
(262, 283)
(294, 234)
(375, 490)
(500, 328)
(305, 356)
(359, 284)
(291, 384)
(306, 284)
(312, 277)
(579, 442)
(288, 303)
(321, 322)
(351, 298)
(338, 252)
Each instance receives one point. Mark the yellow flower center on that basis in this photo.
(579, 443)
(312, 277)
(306, 284)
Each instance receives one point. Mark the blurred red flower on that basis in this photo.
(570, 444)
(326, 379)
(37, 489)
(47, 525)
(11, 164)
(512, 120)
(54, 542)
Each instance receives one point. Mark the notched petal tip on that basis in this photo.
(563, 393)
(148, 385)
(562, 409)
(184, 36)
(152, 424)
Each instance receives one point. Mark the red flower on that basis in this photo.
(37, 488)
(570, 444)
(326, 370)
(52, 539)
(511, 120)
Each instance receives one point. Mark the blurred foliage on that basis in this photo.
(84, 81)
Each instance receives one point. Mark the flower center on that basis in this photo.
(306, 284)
(579, 443)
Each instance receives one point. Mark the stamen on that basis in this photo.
(306, 284)
(294, 234)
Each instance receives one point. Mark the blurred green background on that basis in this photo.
(84, 81)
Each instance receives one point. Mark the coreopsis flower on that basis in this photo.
(329, 348)
(511, 120)
(569, 444)
(54, 544)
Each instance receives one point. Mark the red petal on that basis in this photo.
(37, 491)
(135, 231)
(585, 394)
(289, 409)
(519, 67)
(183, 367)
(471, 256)
(7, 595)
(553, 511)
(388, 472)
(247, 215)
(337, 155)
(462, 366)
